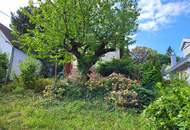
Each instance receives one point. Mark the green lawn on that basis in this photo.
(30, 111)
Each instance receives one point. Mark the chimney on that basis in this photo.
(173, 59)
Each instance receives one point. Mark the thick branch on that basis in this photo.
(104, 51)
(73, 50)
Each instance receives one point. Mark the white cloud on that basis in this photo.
(150, 25)
(155, 14)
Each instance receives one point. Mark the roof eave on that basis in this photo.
(184, 41)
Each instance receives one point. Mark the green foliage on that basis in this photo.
(20, 22)
(72, 87)
(171, 111)
(18, 90)
(6, 88)
(150, 72)
(3, 66)
(30, 70)
(145, 95)
(70, 90)
(40, 84)
(31, 111)
(123, 66)
(148, 65)
(84, 29)
(164, 59)
(145, 65)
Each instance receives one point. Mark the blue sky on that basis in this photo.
(162, 23)
(170, 35)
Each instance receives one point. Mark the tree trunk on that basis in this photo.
(55, 74)
(84, 69)
(84, 66)
(121, 52)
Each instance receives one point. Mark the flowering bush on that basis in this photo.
(119, 90)
(49, 91)
(123, 93)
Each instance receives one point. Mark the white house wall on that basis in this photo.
(18, 57)
(111, 55)
(188, 74)
(185, 46)
(5, 46)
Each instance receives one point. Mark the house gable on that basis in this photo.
(5, 46)
(185, 46)
(7, 32)
(15, 55)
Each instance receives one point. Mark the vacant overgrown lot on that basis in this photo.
(31, 111)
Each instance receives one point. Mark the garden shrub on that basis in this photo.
(145, 96)
(6, 88)
(3, 66)
(97, 85)
(71, 87)
(12, 85)
(123, 93)
(18, 90)
(120, 90)
(115, 89)
(123, 66)
(150, 72)
(172, 110)
(40, 84)
(67, 89)
(30, 70)
(72, 90)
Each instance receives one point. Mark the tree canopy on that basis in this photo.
(149, 63)
(20, 22)
(86, 29)
(142, 54)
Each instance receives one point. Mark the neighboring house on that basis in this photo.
(183, 66)
(15, 55)
(111, 55)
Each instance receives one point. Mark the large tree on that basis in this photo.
(86, 29)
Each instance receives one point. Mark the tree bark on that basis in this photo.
(55, 74)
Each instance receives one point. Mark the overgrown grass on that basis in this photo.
(31, 111)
